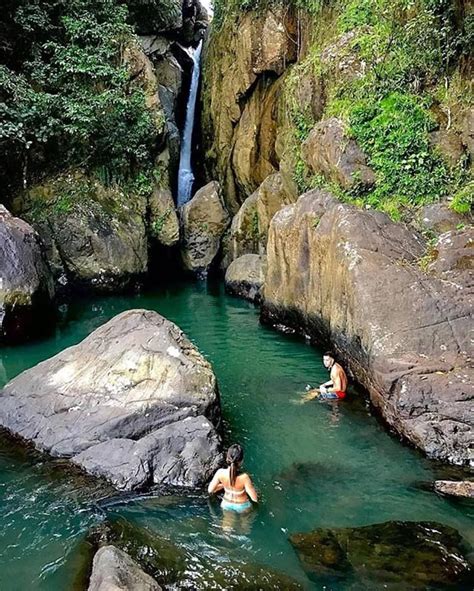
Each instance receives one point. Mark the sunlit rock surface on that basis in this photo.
(134, 402)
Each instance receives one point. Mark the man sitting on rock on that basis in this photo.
(335, 388)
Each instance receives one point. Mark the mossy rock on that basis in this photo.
(415, 554)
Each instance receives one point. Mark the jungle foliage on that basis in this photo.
(66, 97)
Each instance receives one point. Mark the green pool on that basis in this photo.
(315, 465)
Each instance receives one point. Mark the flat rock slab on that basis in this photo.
(416, 555)
(134, 402)
(463, 488)
(114, 570)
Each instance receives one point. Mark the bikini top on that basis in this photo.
(232, 491)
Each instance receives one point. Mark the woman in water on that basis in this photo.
(238, 488)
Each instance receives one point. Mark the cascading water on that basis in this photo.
(185, 174)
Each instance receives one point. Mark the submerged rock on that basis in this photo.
(414, 555)
(177, 567)
(204, 220)
(356, 279)
(134, 402)
(328, 151)
(463, 488)
(114, 569)
(26, 283)
(245, 277)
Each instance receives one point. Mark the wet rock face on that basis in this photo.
(243, 68)
(134, 402)
(163, 217)
(204, 220)
(249, 229)
(328, 151)
(357, 279)
(114, 569)
(245, 277)
(95, 237)
(26, 284)
(414, 555)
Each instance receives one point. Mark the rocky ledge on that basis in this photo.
(134, 402)
(396, 313)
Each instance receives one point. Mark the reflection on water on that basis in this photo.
(314, 464)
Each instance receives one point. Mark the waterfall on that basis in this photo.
(185, 174)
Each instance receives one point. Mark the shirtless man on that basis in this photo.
(335, 388)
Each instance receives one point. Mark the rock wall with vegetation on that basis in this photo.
(386, 81)
(90, 94)
(342, 135)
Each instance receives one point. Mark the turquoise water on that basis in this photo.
(315, 465)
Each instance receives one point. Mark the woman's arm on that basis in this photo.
(215, 485)
(250, 489)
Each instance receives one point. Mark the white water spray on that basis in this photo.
(185, 174)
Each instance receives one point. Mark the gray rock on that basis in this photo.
(328, 151)
(116, 404)
(249, 229)
(204, 220)
(154, 45)
(463, 488)
(114, 570)
(439, 218)
(26, 283)
(245, 276)
(178, 454)
(397, 317)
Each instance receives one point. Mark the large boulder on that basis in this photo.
(245, 277)
(26, 283)
(249, 228)
(204, 220)
(391, 555)
(114, 570)
(400, 322)
(330, 152)
(95, 236)
(134, 402)
(164, 221)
